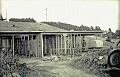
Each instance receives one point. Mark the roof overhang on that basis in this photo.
(4, 33)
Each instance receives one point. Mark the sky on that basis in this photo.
(103, 13)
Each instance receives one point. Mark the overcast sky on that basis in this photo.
(103, 13)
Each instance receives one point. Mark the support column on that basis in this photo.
(53, 45)
(70, 43)
(61, 43)
(28, 45)
(13, 45)
(56, 45)
(73, 45)
(42, 44)
(65, 44)
(83, 43)
(41, 37)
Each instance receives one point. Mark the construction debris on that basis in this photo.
(92, 61)
(10, 66)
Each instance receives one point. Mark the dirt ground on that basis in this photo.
(49, 68)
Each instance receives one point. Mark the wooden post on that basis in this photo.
(73, 45)
(56, 45)
(42, 54)
(70, 43)
(53, 45)
(13, 45)
(83, 42)
(61, 42)
(65, 34)
(65, 44)
(28, 45)
(79, 43)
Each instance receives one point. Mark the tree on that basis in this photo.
(109, 30)
(97, 28)
(92, 28)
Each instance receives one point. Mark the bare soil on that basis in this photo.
(50, 68)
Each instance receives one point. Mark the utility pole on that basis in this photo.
(46, 14)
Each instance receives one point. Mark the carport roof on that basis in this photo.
(15, 28)
(27, 26)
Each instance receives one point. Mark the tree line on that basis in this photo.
(73, 27)
(22, 20)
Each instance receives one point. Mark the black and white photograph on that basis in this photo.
(59, 38)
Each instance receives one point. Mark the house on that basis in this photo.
(40, 39)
